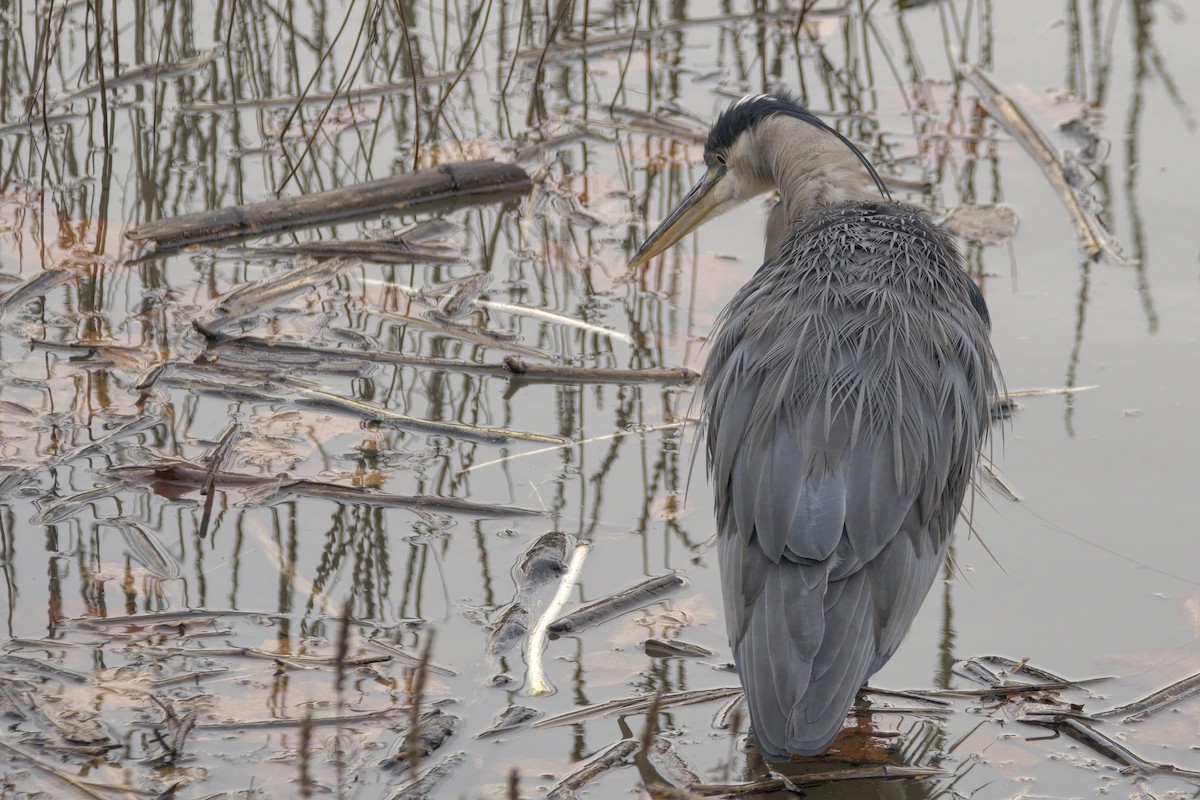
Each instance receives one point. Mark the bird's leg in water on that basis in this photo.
(858, 742)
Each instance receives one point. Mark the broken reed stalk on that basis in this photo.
(215, 460)
(1093, 240)
(443, 187)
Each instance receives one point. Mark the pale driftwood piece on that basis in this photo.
(510, 368)
(536, 680)
(448, 186)
(1092, 238)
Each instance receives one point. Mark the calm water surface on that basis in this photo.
(1092, 571)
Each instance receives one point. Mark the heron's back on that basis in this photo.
(847, 396)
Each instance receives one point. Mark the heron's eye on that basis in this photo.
(722, 160)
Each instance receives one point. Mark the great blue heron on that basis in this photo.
(846, 396)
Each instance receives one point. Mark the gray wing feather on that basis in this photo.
(846, 397)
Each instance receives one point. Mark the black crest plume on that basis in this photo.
(744, 114)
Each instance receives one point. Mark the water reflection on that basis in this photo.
(208, 106)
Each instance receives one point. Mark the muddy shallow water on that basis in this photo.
(151, 645)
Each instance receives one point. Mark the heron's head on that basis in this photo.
(742, 159)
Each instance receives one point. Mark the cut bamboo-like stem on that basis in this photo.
(448, 185)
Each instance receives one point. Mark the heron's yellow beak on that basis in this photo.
(709, 197)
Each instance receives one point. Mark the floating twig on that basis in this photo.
(535, 681)
(299, 392)
(530, 311)
(461, 332)
(613, 756)
(142, 73)
(408, 659)
(379, 251)
(65, 777)
(603, 438)
(270, 292)
(627, 599)
(284, 723)
(445, 186)
(1156, 701)
(35, 288)
(1049, 391)
(674, 648)
(796, 783)
(180, 472)
(215, 460)
(1108, 747)
(369, 497)
(632, 705)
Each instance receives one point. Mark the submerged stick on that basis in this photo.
(215, 460)
(421, 786)
(616, 755)
(1168, 696)
(1092, 237)
(795, 783)
(35, 287)
(640, 703)
(200, 378)
(605, 437)
(626, 599)
(535, 681)
(1108, 747)
(270, 292)
(447, 186)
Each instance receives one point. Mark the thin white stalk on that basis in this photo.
(527, 311)
(535, 676)
(605, 437)
(1049, 392)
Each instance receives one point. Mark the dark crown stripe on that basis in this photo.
(744, 114)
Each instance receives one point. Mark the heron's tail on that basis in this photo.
(805, 653)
